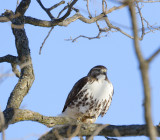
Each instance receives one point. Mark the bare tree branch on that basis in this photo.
(10, 59)
(153, 55)
(48, 10)
(115, 8)
(22, 7)
(90, 16)
(14, 62)
(144, 73)
(61, 21)
(116, 28)
(140, 14)
(45, 9)
(27, 75)
(68, 11)
(17, 115)
(89, 129)
(13, 115)
(45, 39)
(56, 5)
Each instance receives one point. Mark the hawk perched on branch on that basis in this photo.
(90, 97)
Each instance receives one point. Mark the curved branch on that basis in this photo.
(13, 115)
(14, 62)
(44, 23)
(25, 62)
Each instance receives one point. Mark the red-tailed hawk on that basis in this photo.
(90, 97)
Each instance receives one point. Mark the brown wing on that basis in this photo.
(75, 90)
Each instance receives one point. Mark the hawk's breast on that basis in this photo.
(95, 97)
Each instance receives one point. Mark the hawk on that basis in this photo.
(90, 97)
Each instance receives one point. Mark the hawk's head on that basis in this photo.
(97, 71)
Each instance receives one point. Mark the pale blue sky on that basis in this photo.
(62, 63)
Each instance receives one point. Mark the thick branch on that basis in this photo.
(17, 115)
(10, 59)
(4, 19)
(89, 129)
(61, 21)
(13, 115)
(27, 75)
(23, 6)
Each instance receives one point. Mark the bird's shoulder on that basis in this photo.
(76, 89)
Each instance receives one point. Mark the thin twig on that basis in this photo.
(56, 5)
(68, 11)
(117, 28)
(90, 16)
(140, 14)
(115, 8)
(45, 39)
(45, 9)
(104, 9)
(153, 55)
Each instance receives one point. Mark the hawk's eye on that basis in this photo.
(104, 72)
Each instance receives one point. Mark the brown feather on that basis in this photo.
(75, 90)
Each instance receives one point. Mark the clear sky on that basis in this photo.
(62, 63)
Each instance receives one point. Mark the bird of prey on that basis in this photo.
(90, 97)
